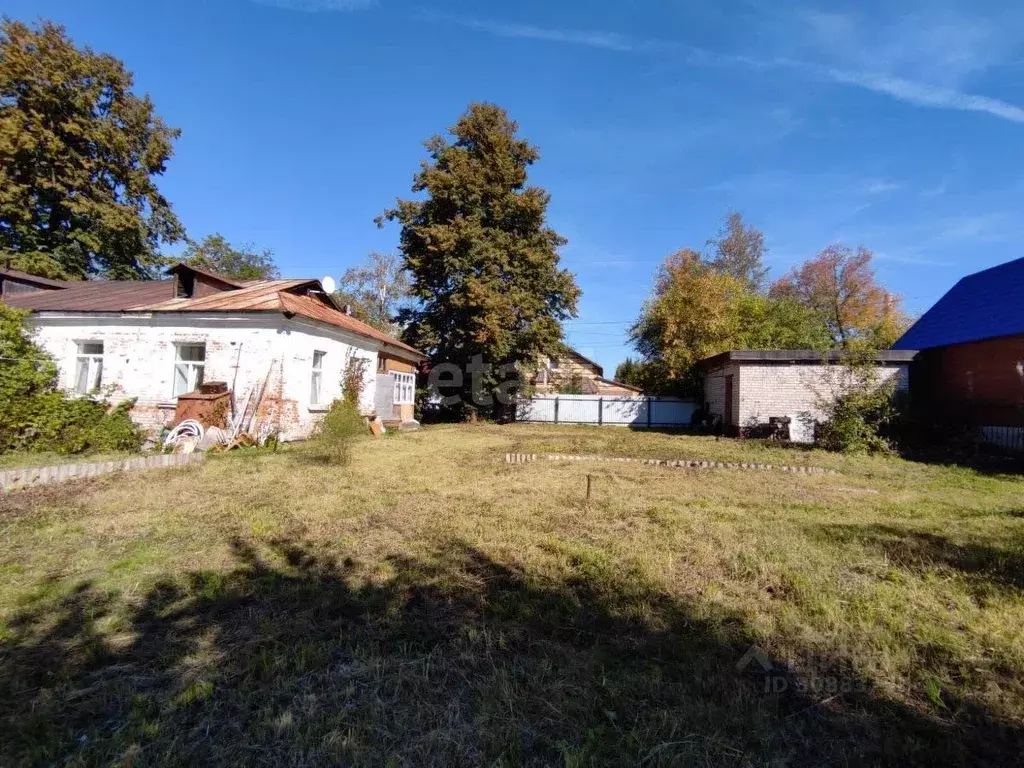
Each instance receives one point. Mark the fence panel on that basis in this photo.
(1009, 438)
(635, 411)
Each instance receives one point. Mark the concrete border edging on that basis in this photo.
(526, 458)
(27, 477)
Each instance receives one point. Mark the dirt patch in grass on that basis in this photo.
(431, 605)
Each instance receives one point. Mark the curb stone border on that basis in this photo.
(526, 458)
(28, 477)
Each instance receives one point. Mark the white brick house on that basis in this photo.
(156, 340)
(746, 388)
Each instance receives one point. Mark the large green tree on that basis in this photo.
(840, 285)
(697, 311)
(482, 259)
(244, 262)
(79, 153)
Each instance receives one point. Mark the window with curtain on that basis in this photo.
(405, 388)
(189, 366)
(89, 367)
(316, 379)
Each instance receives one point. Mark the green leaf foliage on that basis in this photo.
(35, 416)
(482, 260)
(337, 433)
(860, 410)
(216, 254)
(697, 311)
(79, 153)
(739, 251)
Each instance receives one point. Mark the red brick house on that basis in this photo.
(970, 368)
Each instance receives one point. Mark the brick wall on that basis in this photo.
(714, 391)
(139, 359)
(982, 381)
(765, 390)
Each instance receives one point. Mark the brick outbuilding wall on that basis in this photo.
(765, 389)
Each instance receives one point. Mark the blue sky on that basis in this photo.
(897, 126)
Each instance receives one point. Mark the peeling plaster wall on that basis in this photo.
(241, 350)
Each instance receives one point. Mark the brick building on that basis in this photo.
(971, 366)
(286, 341)
(746, 388)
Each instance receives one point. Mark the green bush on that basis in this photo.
(35, 416)
(340, 428)
(862, 414)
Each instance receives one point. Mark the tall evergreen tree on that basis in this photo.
(78, 156)
(483, 262)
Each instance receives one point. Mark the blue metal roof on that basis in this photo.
(981, 306)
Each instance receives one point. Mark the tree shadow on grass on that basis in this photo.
(454, 659)
(918, 550)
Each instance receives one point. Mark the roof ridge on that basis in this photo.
(981, 272)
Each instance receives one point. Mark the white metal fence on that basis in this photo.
(625, 411)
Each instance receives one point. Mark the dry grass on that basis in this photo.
(430, 605)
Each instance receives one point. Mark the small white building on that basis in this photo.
(747, 388)
(283, 346)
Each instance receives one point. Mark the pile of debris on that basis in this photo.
(203, 424)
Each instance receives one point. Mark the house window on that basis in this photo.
(553, 363)
(189, 364)
(405, 388)
(382, 363)
(316, 379)
(89, 367)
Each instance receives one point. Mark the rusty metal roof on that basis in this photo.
(262, 295)
(25, 277)
(284, 296)
(181, 266)
(317, 310)
(95, 296)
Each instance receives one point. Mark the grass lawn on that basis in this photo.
(431, 605)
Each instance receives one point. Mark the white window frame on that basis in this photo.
(316, 378)
(194, 370)
(405, 389)
(93, 366)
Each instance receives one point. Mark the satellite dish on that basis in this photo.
(328, 284)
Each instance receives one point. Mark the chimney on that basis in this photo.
(347, 309)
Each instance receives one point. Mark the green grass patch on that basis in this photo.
(428, 604)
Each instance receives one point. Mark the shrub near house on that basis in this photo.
(35, 415)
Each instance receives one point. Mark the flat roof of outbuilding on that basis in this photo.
(804, 356)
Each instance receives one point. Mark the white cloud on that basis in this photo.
(594, 39)
(925, 61)
(925, 95)
(318, 6)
